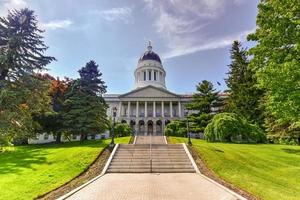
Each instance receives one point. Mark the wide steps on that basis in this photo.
(157, 158)
(151, 171)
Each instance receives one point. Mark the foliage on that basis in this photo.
(52, 165)
(248, 166)
(122, 129)
(21, 45)
(276, 60)
(229, 127)
(20, 101)
(52, 122)
(204, 104)
(176, 128)
(23, 94)
(244, 96)
(84, 110)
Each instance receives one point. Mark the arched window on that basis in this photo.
(144, 75)
(155, 75)
(149, 75)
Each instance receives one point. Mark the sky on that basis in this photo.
(192, 37)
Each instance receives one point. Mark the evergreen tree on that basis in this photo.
(205, 103)
(52, 122)
(276, 61)
(22, 92)
(84, 107)
(21, 45)
(244, 96)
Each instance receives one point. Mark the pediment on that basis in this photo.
(149, 92)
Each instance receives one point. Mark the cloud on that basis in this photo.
(215, 44)
(11, 4)
(116, 14)
(181, 24)
(57, 24)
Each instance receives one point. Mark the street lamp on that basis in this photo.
(112, 143)
(186, 112)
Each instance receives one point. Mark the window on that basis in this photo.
(144, 75)
(74, 137)
(46, 137)
(155, 75)
(149, 75)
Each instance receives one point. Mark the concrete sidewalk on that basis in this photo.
(179, 186)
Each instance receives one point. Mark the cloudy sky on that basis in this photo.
(192, 37)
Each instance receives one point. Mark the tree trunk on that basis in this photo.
(298, 140)
(83, 137)
(58, 138)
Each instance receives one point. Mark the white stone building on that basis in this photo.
(149, 106)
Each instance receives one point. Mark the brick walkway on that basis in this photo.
(187, 186)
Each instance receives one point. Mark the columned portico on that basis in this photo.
(150, 106)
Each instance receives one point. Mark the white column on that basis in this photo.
(137, 110)
(158, 76)
(146, 109)
(120, 108)
(154, 109)
(179, 109)
(162, 109)
(171, 109)
(147, 75)
(128, 108)
(152, 75)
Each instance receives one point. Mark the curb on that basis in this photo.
(94, 179)
(191, 158)
(239, 197)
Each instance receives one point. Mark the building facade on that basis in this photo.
(150, 106)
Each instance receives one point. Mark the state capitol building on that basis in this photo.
(150, 106)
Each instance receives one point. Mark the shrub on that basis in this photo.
(122, 129)
(229, 127)
(176, 128)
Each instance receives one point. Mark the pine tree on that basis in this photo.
(85, 108)
(244, 96)
(206, 102)
(21, 45)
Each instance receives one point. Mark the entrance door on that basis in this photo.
(150, 128)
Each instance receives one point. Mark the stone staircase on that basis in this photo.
(155, 158)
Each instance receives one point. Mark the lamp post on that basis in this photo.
(112, 143)
(186, 112)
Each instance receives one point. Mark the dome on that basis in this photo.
(149, 70)
(150, 55)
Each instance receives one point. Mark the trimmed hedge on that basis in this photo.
(229, 127)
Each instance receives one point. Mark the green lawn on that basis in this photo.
(29, 171)
(265, 170)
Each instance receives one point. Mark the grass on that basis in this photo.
(268, 171)
(32, 170)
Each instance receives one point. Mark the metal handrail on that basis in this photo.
(150, 152)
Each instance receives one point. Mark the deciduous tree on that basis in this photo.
(276, 61)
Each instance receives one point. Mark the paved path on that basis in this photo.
(150, 139)
(187, 186)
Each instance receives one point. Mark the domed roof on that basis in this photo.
(150, 55)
